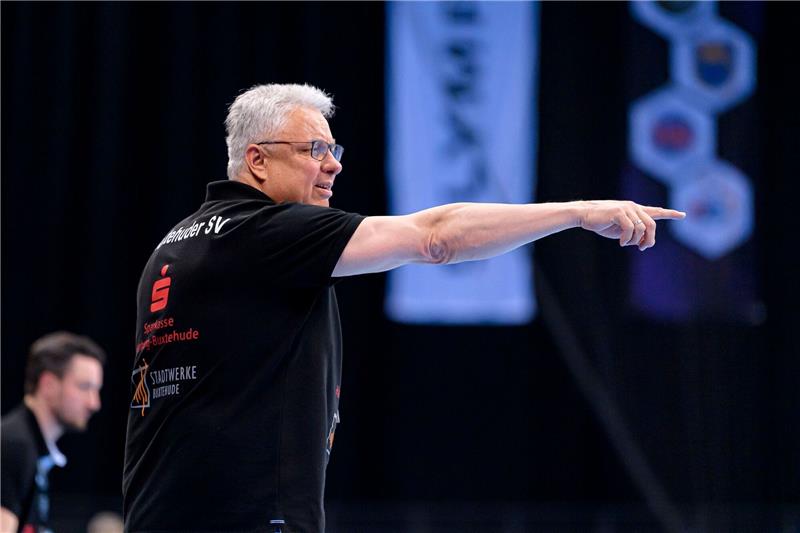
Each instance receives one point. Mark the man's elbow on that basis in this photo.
(437, 250)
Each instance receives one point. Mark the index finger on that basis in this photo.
(659, 213)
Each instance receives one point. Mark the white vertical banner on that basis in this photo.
(461, 127)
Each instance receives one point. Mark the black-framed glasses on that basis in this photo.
(319, 149)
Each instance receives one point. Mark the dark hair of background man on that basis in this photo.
(52, 353)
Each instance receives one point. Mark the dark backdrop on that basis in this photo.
(112, 124)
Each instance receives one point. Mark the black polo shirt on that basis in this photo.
(236, 380)
(26, 463)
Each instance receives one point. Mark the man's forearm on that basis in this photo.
(470, 231)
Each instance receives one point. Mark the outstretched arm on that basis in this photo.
(467, 232)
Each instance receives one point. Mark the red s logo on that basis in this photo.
(160, 291)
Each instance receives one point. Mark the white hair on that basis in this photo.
(262, 111)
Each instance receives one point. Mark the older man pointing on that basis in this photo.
(236, 381)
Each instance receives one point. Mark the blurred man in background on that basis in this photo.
(63, 378)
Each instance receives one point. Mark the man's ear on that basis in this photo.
(48, 384)
(256, 162)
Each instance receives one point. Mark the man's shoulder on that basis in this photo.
(289, 218)
(295, 212)
(17, 435)
(15, 420)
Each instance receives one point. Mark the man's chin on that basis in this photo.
(320, 197)
(74, 426)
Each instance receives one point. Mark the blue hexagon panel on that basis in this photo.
(714, 65)
(718, 201)
(666, 135)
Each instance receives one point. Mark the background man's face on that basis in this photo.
(292, 174)
(78, 396)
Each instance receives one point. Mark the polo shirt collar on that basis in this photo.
(46, 448)
(59, 459)
(234, 190)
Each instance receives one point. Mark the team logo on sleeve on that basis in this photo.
(160, 294)
(141, 395)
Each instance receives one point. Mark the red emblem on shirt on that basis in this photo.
(160, 293)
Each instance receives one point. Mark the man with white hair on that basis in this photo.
(236, 381)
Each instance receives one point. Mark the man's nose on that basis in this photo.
(330, 165)
(94, 401)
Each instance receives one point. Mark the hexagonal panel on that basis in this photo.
(665, 135)
(714, 65)
(718, 201)
(672, 19)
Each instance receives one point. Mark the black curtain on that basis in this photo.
(112, 124)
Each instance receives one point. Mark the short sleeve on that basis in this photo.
(16, 476)
(300, 244)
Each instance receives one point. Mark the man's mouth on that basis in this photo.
(326, 186)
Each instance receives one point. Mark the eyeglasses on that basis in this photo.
(319, 149)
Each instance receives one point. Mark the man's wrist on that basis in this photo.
(577, 212)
